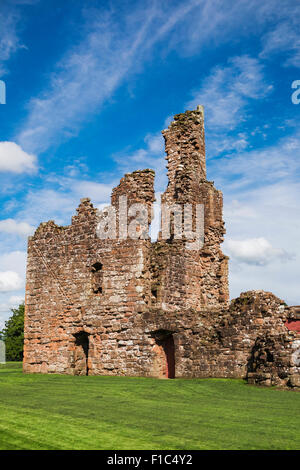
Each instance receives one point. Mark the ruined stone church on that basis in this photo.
(135, 307)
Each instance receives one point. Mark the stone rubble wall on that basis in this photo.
(60, 300)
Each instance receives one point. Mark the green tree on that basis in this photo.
(13, 334)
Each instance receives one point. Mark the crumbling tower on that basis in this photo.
(185, 149)
(190, 277)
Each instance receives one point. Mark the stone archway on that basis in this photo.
(164, 355)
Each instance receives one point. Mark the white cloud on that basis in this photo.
(12, 226)
(257, 251)
(111, 51)
(261, 204)
(228, 93)
(4, 307)
(12, 279)
(9, 281)
(269, 212)
(13, 159)
(14, 261)
(216, 22)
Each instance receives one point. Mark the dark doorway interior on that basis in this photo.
(165, 354)
(81, 353)
(169, 349)
(97, 281)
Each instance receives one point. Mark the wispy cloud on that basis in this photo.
(9, 41)
(283, 39)
(257, 251)
(58, 201)
(12, 272)
(10, 23)
(216, 22)
(112, 49)
(261, 204)
(259, 167)
(10, 281)
(226, 92)
(12, 226)
(90, 72)
(151, 155)
(13, 261)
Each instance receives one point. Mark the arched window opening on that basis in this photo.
(97, 278)
(154, 292)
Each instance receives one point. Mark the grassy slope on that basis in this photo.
(65, 412)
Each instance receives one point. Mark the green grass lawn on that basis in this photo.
(63, 412)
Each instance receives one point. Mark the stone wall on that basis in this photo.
(275, 356)
(61, 297)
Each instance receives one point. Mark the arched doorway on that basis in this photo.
(81, 353)
(164, 354)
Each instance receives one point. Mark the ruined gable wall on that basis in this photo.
(61, 299)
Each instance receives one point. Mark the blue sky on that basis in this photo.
(90, 85)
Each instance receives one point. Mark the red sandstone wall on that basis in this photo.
(60, 299)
